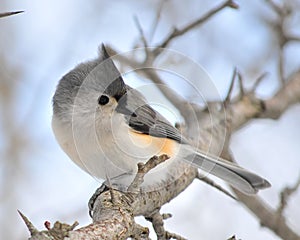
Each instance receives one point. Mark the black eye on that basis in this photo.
(103, 99)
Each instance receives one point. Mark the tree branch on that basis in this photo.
(157, 220)
(6, 14)
(286, 96)
(179, 32)
(143, 169)
(115, 219)
(215, 185)
(285, 195)
(250, 106)
(267, 216)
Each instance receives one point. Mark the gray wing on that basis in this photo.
(242, 179)
(144, 119)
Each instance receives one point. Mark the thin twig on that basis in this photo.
(157, 221)
(275, 7)
(143, 169)
(281, 64)
(241, 84)
(156, 20)
(174, 236)
(215, 185)
(140, 29)
(227, 99)
(6, 14)
(179, 32)
(258, 81)
(232, 238)
(29, 224)
(283, 38)
(285, 195)
(293, 38)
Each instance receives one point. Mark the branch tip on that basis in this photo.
(258, 81)
(227, 99)
(232, 238)
(6, 14)
(141, 32)
(241, 84)
(233, 4)
(166, 216)
(28, 224)
(143, 169)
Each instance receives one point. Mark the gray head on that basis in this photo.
(86, 83)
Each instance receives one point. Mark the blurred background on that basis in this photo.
(40, 45)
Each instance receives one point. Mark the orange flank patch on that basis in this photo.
(155, 144)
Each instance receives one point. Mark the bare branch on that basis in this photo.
(140, 29)
(112, 220)
(29, 225)
(258, 81)
(156, 20)
(157, 221)
(227, 99)
(143, 169)
(267, 216)
(275, 7)
(232, 238)
(293, 38)
(241, 111)
(120, 214)
(215, 185)
(174, 236)
(250, 106)
(59, 231)
(179, 32)
(241, 85)
(282, 36)
(285, 195)
(6, 14)
(281, 64)
(116, 221)
(288, 95)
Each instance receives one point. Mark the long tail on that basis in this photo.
(242, 179)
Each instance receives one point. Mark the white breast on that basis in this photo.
(107, 147)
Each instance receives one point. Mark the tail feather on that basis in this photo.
(242, 179)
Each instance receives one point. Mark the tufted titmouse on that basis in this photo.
(106, 128)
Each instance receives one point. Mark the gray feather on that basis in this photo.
(144, 119)
(236, 176)
(100, 76)
(101, 71)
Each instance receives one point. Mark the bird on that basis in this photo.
(107, 127)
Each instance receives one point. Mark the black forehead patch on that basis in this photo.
(117, 87)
